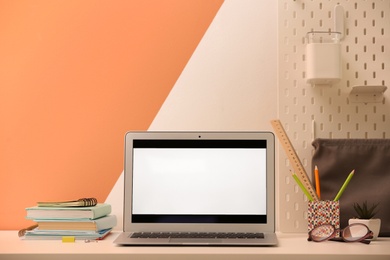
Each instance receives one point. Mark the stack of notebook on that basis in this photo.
(81, 219)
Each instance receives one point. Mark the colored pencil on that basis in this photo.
(317, 179)
(302, 187)
(342, 189)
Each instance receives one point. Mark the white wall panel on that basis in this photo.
(326, 111)
(230, 82)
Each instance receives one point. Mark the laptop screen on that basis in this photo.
(199, 180)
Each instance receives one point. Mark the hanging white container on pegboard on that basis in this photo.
(323, 58)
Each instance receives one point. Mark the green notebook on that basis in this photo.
(100, 210)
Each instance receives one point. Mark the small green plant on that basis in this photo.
(364, 211)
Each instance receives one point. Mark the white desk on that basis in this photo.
(291, 246)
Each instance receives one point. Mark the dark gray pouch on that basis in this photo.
(370, 158)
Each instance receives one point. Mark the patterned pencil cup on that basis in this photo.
(323, 212)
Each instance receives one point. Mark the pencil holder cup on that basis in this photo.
(323, 212)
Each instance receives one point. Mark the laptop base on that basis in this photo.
(124, 239)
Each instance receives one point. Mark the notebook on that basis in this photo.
(199, 188)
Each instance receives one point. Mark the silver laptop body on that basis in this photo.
(199, 188)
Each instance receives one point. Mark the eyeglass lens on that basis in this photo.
(354, 232)
(322, 233)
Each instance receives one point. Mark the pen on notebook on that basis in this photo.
(342, 189)
(302, 187)
(317, 180)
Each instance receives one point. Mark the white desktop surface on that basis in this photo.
(291, 246)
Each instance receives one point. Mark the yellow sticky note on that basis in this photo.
(68, 239)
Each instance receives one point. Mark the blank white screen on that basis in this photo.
(199, 181)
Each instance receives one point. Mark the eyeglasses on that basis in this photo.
(353, 233)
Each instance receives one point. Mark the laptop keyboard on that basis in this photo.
(197, 235)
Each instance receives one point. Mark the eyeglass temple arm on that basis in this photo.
(340, 239)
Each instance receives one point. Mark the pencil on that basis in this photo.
(302, 187)
(317, 179)
(342, 189)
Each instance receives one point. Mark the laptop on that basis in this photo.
(199, 189)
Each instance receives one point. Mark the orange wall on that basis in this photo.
(74, 77)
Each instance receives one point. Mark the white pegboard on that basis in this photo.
(308, 112)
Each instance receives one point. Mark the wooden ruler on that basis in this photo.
(293, 157)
